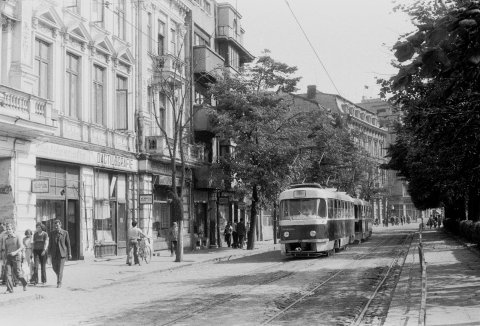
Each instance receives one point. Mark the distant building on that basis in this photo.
(372, 136)
(399, 202)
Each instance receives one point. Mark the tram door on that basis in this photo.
(72, 227)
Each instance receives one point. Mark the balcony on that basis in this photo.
(168, 69)
(206, 61)
(158, 148)
(24, 115)
(201, 119)
(229, 35)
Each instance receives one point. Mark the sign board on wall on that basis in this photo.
(146, 199)
(40, 186)
(87, 157)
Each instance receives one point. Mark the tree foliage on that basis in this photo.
(436, 87)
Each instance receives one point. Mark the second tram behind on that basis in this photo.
(316, 221)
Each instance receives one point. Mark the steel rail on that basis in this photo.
(311, 292)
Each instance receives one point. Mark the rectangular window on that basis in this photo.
(149, 32)
(42, 69)
(73, 86)
(98, 101)
(73, 5)
(121, 116)
(208, 7)
(173, 42)
(98, 12)
(161, 38)
(120, 32)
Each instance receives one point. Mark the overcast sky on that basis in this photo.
(353, 39)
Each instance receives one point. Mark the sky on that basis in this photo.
(353, 39)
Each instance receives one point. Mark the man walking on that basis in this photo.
(12, 247)
(173, 235)
(59, 250)
(134, 234)
(242, 232)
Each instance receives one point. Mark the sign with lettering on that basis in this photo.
(40, 186)
(146, 199)
(83, 156)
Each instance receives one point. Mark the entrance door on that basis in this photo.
(71, 226)
(122, 228)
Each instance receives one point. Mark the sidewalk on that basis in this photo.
(453, 283)
(96, 273)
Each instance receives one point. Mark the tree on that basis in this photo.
(437, 89)
(252, 114)
(172, 83)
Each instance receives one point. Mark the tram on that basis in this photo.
(363, 220)
(315, 221)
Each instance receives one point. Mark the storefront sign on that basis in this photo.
(40, 186)
(114, 161)
(146, 199)
(86, 157)
(5, 189)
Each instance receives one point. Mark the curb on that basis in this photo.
(180, 265)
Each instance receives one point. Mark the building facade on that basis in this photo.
(68, 132)
(86, 118)
(398, 201)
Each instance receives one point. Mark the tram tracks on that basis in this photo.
(265, 278)
(363, 312)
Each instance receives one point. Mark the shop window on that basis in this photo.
(103, 221)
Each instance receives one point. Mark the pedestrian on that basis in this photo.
(27, 263)
(60, 250)
(234, 235)
(11, 249)
(134, 235)
(228, 234)
(173, 237)
(242, 232)
(40, 246)
(3, 263)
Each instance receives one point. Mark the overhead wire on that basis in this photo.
(312, 47)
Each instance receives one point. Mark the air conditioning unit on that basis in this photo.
(154, 144)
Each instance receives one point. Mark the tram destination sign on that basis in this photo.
(146, 199)
(40, 186)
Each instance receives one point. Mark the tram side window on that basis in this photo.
(322, 208)
(331, 209)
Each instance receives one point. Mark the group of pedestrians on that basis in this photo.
(21, 258)
(236, 232)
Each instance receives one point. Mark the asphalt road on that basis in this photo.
(354, 287)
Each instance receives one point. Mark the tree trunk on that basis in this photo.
(253, 219)
(178, 216)
(473, 204)
(459, 209)
(275, 219)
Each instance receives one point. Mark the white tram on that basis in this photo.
(316, 221)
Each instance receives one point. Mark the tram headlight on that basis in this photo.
(313, 233)
(286, 234)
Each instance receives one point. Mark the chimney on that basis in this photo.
(311, 91)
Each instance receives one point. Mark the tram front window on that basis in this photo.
(294, 209)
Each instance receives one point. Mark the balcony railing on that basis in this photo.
(15, 103)
(167, 67)
(205, 60)
(228, 31)
(157, 145)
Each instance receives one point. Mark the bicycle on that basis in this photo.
(144, 251)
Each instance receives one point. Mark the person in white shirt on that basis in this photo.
(134, 234)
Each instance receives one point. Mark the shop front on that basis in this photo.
(91, 192)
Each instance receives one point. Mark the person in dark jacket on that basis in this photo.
(241, 232)
(59, 250)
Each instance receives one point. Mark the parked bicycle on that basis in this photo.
(144, 251)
